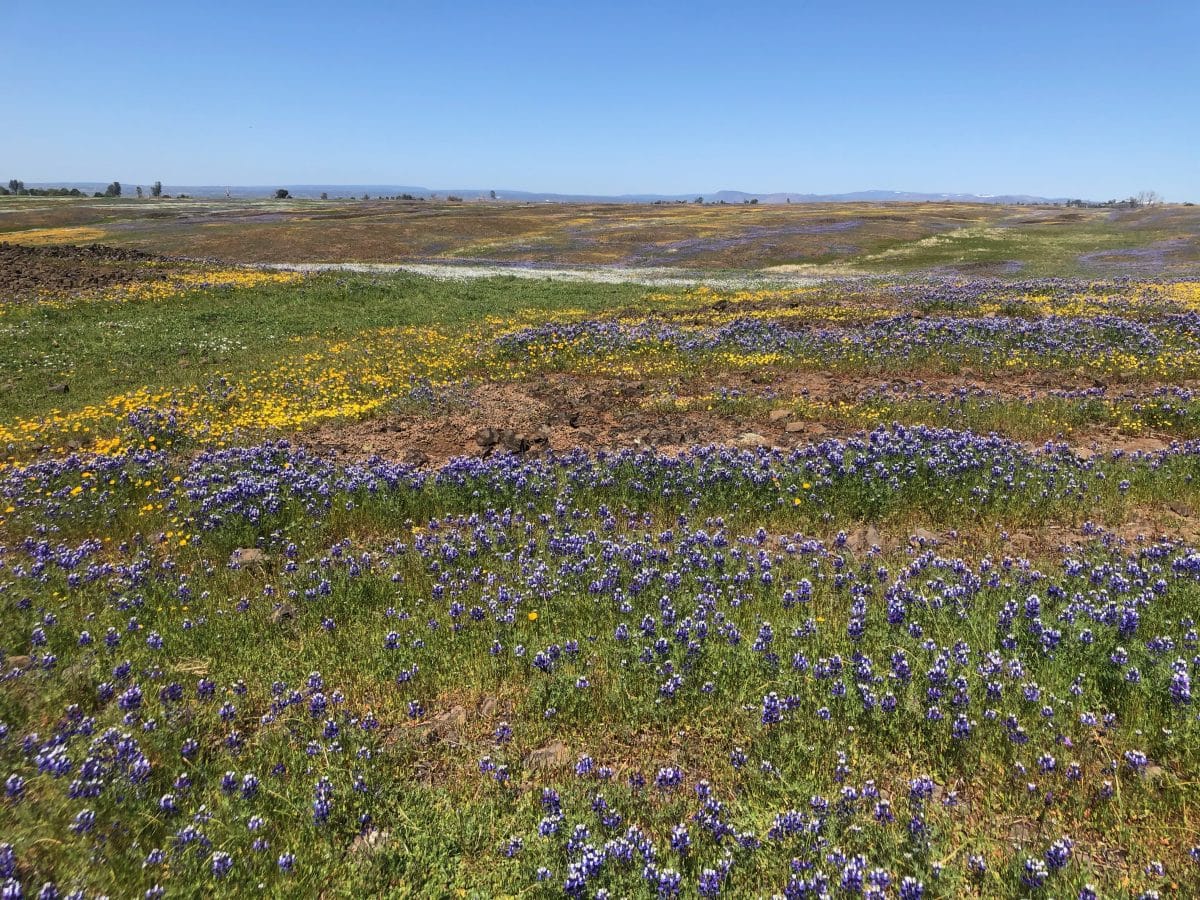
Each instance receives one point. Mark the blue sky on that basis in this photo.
(1060, 98)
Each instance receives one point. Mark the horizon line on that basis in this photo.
(484, 193)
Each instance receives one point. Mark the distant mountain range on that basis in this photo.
(882, 197)
(314, 191)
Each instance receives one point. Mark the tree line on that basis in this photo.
(16, 187)
(1145, 198)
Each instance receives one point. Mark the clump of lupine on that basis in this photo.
(247, 493)
(1106, 343)
(591, 675)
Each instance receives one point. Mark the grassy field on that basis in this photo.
(110, 346)
(878, 586)
(971, 239)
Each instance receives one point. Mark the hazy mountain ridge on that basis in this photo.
(314, 191)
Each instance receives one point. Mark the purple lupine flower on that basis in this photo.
(1059, 853)
(222, 862)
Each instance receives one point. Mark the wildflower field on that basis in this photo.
(344, 586)
(831, 238)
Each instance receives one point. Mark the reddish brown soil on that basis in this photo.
(66, 269)
(562, 412)
(558, 412)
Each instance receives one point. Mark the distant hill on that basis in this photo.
(313, 191)
(881, 197)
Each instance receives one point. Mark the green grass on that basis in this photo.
(105, 348)
(1041, 250)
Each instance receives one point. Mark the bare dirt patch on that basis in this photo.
(27, 271)
(563, 412)
(554, 413)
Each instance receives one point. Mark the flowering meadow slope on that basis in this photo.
(863, 647)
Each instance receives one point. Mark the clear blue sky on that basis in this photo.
(1090, 99)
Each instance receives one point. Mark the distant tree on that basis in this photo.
(3, 191)
(451, 198)
(754, 201)
(156, 189)
(15, 186)
(1148, 198)
(139, 192)
(113, 190)
(699, 200)
(324, 196)
(366, 196)
(493, 195)
(282, 194)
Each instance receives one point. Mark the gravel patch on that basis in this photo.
(649, 276)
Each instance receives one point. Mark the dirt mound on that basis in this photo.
(67, 268)
(558, 412)
(562, 412)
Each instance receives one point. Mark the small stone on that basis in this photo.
(371, 841)
(862, 540)
(248, 556)
(486, 436)
(282, 613)
(61, 388)
(778, 415)
(414, 457)
(795, 427)
(18, 662)
(447, 726)
(750, 440)
(513, 442)
(551, 756)
(924, 536)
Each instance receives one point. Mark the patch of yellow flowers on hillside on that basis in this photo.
(175, 284)
(342, 380)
